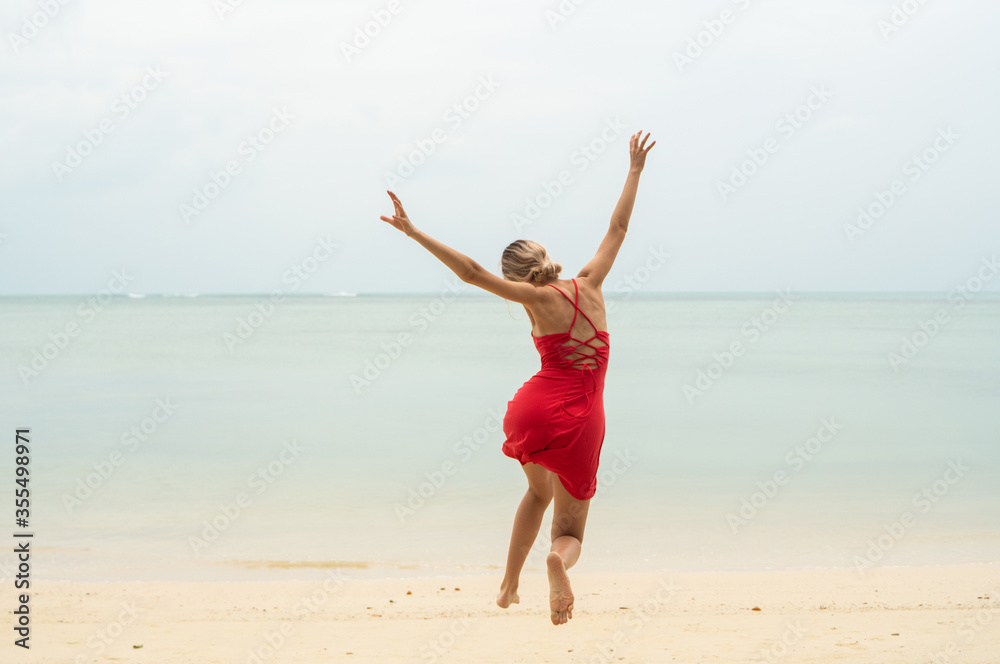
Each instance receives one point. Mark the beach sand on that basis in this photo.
(906, 615)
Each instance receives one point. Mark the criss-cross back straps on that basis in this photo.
(583, 360)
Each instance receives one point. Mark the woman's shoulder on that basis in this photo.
(586, 287)
(582, 283)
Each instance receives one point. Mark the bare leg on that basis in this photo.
(527, 521)
(568, 522)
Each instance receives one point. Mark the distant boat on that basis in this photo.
(136, 295)
(340, 294)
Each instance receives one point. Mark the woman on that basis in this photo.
(555, 423)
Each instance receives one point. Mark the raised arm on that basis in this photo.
(597, 269)
(467, 269)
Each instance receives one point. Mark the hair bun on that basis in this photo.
(525, 260)
(546, 272)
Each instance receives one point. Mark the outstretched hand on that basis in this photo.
(398, 220)
(638, 151)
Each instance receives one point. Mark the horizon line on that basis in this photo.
(479, 293)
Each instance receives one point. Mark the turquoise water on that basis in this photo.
(422, 426)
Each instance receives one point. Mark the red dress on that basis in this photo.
(556, 419)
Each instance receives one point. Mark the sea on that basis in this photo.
(239, 438)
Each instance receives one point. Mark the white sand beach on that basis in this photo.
(906, 615)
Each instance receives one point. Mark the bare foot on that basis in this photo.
(506, 597)
(560, 594)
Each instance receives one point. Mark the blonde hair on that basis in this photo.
(525, 260)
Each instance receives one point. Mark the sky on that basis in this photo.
(226, 146)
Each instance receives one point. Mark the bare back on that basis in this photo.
(553, 314)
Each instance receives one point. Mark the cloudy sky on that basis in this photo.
(212, 146)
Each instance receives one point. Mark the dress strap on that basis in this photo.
(576, 309)
(582, 360)
(574, 302)
(577, 292)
